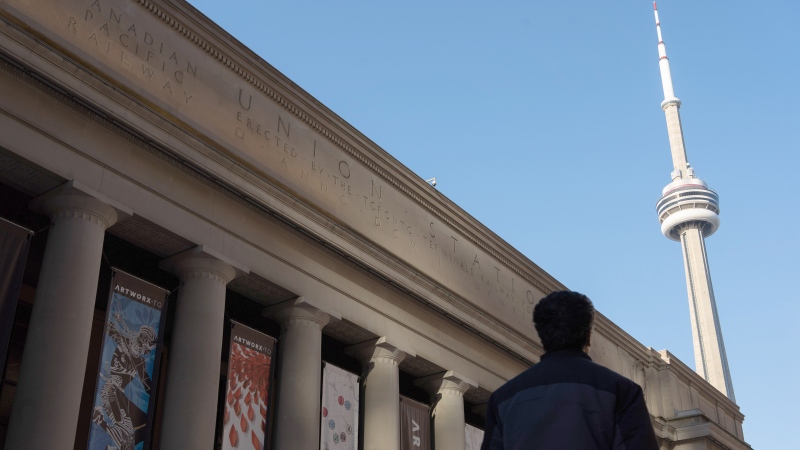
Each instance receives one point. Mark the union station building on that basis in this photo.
(138, 136)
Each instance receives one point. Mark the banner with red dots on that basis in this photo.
(247, 400)
(339, 428)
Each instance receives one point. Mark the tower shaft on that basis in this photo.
(671, 106)
(680, 164)
(689, 212)
(709, 349)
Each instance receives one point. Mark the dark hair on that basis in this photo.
(564, 320)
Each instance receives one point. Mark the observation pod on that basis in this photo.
(688, 201)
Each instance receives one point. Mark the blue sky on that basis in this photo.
(542, 120)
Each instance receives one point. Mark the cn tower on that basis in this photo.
(689, 212)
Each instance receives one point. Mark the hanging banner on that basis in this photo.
(339, 428)
(474, 437)
(14, 242)
(247, 399)
(127, 377)
(415, 425)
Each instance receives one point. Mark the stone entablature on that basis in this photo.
(261, 125)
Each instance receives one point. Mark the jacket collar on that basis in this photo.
(565, 353)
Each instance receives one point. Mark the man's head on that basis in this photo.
(564, 320)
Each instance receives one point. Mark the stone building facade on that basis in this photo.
(139, 135)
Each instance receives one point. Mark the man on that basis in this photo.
(567, 401)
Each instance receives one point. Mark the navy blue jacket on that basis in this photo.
(568, 402)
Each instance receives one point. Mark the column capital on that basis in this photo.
(300, 309)
(202, 261)
(76, 200)
(445, 383)
(378, 350)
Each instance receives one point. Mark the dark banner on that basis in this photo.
(14, 242)
(247, 399)
(126, 381)
(415, 425)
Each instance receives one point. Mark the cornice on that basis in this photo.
(624, 340)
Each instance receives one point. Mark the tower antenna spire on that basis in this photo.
(663, 61)
(680, 163)
(689, 212)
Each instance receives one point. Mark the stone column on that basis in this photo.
(447, 396)
(381, 393)
(48, 395)
(299, 374)
(190, 402)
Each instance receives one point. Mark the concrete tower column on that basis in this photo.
(48, 395)
(190, 402)
(711, 360)
(299, 374)
(381, 392)
(447, 396)
(689, 213)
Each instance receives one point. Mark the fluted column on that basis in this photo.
(190, 402)
(48, 395)
(381, 393)
(447, 396)
(299, 374)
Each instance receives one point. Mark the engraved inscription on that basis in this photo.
(120, 40)
(356, 194)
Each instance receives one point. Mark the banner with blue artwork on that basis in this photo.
(122, 411)
(339, 428)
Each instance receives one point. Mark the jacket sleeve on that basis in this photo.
(634, 429)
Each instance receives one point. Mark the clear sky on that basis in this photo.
(542, 120)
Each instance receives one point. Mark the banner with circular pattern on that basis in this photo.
(473, 436)
(339, 428)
